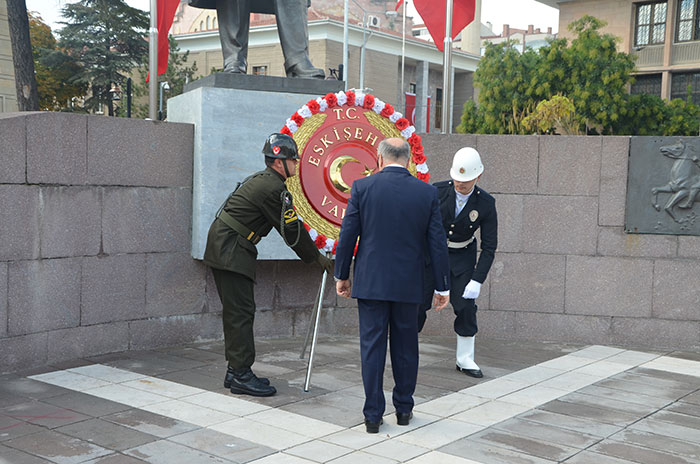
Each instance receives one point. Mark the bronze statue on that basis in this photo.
(234, 23)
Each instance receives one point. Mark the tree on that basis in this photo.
(25, 82)
(177, 75)
(107, 38)
(556, 115)
(54, 69)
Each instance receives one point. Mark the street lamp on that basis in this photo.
(364, 43)
(164, 87)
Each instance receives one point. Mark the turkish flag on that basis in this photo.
(433, 14)
(166, 14)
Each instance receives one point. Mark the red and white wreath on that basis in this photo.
(368, 102)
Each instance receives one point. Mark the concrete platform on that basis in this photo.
(538, 403)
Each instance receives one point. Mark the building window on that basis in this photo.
(208, 23)
(687, 21)
(438, 108)
(651, 24)
(214, 23)
(685, 84)
(260, 70)
(412, 87)
(416, 33)
(649, 84)
(201, 25)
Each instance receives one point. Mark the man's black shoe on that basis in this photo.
(476, 373)
(373, 427)
(229, 378)
(403, 418)
(304, 69)
(246, 383)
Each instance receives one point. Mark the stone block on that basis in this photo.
(114, 289)
(213, 300)
(3, 299)
(175, 284)
(524, 282)
(563, 327)
(70, 221)
(19, 219)
(603, 286)
(13, 150)
(494, 324)
(23, 352)
(174, 330)
(655, 333)
(146, 220)
(43, 295)
(613, 181)
(676, 290)
(510, 163)
(688, 247)
(276, 323)
(297, 285)
(345, 321)
(613, 241)
(570, 165)
(136, 152)
(560, 225)
(83, 342)
(510, 222)
(266, 274)
(57, 148)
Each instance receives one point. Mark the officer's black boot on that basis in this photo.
(229, 378)
(245, 382)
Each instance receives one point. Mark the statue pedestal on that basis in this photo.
(232, 115)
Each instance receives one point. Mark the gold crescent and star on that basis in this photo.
(336, 168)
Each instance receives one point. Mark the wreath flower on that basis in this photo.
(368, 102)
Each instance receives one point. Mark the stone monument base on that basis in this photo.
(233, 114)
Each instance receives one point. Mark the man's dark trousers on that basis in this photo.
(237, 297)
(399, 319)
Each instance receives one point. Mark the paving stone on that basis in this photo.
(146, 220)
(86, 404)
(608, 286)
(576, 424)
(480, 451)
(338, 408)
(175, 284)
(116, 459)
(587, 457)
(666, 429)
(613, 241)
(44, 414)
(547, 433)
(525, 445)
(57, 148)
(173, 330)
(318, 451)
(222, 445)
(57, 447)
(510, 162)
(396, 450)
(135, 152)
(167, 452)
(510, 222)
(13, 456)
(674, 296)
(658, 442)
(13, 151)
(11, 427)
(662, 379)
(670, 394)
(114, 288)
(569, 165)
(609, 404)
(583, 411)
(149, 423)
(19, 216)
(684, 420)
(629, 397)
(528, 283)
(196, 379)
(685, 408)
(107, 434)
(637, 453)
(549, 220)
(352, 458)
(613, 181)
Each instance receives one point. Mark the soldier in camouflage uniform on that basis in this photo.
(258, 204)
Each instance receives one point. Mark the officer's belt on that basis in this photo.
(234, 224)
(459, 244)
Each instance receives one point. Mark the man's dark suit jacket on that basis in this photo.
(394, 215)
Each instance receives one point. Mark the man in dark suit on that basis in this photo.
(234, 24)
(465, 208)
(394, 215)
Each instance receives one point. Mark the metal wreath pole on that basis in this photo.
(447, 71)
(317, 320)
(153, 63)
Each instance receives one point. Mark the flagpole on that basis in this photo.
(403, 57)
(345, 45)
(153, 63)
(447, 71)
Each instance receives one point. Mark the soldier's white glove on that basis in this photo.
(472, 290)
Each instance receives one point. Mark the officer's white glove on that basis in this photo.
(472, 290)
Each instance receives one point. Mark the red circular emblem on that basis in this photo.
(276, 150)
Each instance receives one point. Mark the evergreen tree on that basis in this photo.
(107, 37)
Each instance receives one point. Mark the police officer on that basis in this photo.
(258, 204)
(465, 208)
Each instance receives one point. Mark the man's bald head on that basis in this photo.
(394, 150)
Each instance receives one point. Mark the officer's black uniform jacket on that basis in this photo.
(462, 228)
(257, 204)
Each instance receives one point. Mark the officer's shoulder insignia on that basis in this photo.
(290, 216)
(473, 215)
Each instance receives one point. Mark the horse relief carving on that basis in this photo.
(684, 183)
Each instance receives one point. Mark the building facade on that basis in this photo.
(664, 36)
(523, 39)
(8, 95)
(376, 25)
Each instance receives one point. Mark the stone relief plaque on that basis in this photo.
(663, 186)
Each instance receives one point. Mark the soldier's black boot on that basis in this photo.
(246, 383)
(229, 378)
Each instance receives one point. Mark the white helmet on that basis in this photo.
(466, 165)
